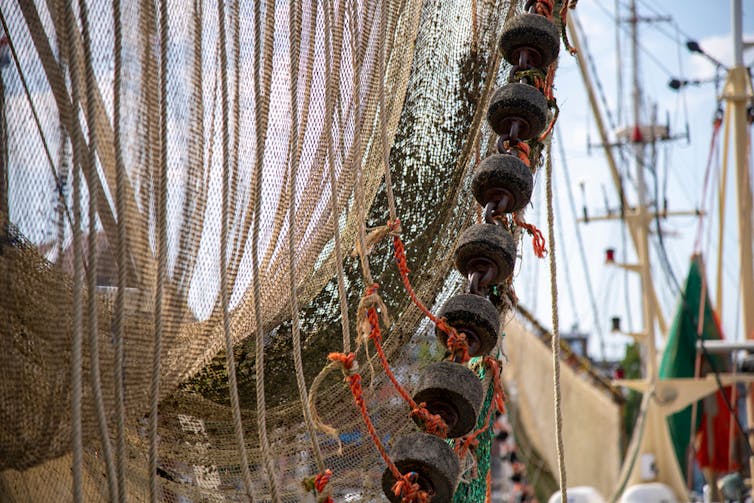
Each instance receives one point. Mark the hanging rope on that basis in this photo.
(431, 423)
(406, 486)
(332, 86)
(263, 79)
(162, 245)
(456, 342)
(357, 157)
(224, 294)
(78, 329)
(91, 274)
(384, 117)
(555, 341)
(295, 44)
(120, 297)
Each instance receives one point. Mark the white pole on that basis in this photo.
(736, 21)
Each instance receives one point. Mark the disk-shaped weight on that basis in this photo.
(520, 103)
(533, 32)
(503, 175)
(487, 248)
(431, 459)
(453, 392)
(475, 317)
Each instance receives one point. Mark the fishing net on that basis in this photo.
(592, 410)
(192, 165)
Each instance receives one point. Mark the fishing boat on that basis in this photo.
(266, 251)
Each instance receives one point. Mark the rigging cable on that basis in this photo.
(566, 269)
(618, 66)
(646, 52)
(579, 239)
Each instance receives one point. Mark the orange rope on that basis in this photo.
(431, 423)
(409, 490)
(405, 485)
(456, 342)
(320, 482)
(494, 367)
(520, 149)
(537, 239)
(545, 8)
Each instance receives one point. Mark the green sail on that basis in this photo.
(679, 357)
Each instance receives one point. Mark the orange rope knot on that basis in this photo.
(394, 226)
(467, 444)
(318, 486)
(430, 423)
(371, 300)
(495, 368)
(346, 361)
(542, 7)
(520, 149)
(321, 480)
(456, 342)
(409, 490)
(537, 239)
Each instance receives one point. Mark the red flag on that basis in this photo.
(713, 445)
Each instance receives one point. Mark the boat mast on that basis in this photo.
(641, 214)
(737, 92)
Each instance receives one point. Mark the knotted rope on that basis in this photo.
(456, 342)
(319, 486)
(431, 423)
(406, 486)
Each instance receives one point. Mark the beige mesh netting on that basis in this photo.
(593, 414)
(168, 148)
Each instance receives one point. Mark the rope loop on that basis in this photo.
(407, 488)
(457, 345)
(433, 424)
(347, 362)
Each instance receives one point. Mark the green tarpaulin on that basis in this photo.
(679, 357)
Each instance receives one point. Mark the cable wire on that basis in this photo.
(580, 241)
